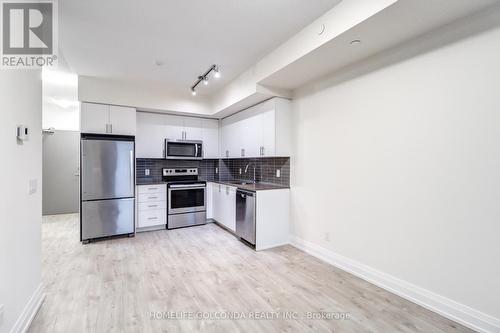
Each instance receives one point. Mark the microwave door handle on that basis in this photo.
(196, 150)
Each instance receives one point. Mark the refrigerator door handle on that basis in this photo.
(132, 170)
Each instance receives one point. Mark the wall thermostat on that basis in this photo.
(22, 133)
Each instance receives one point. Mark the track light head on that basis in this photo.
(193, 92)
(217, 72)
(205, 80)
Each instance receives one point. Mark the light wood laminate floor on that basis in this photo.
(115, 285)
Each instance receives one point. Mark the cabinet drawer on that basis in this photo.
(152, 205)
(160, 188)
(149, 218)
(150, 197)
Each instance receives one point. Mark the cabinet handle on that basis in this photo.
(152, 206)
(110, 128)
(153, 218)
(227, 190)
(152, 188)
(242, 152)
(227, 153)
(153, 198)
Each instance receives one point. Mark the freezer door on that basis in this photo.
(107, 169)
(107, 218)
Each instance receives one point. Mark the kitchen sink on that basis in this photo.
(243, 183)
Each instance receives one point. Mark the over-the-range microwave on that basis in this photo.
(183, 149)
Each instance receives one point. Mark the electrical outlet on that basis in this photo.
(240, 171)
(33, 185)
(327, 236)
(1, 314)
(146, 172)
(278, 173)
(216, 170)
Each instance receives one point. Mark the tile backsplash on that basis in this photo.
(221, 169)
(265, 169)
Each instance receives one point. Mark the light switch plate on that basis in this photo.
(33, 185)
(240, 171)
(146, 172)
(216, 170)
(278, 173)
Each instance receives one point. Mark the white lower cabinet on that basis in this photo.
(223, 202)
(272, 215)
(151, 206)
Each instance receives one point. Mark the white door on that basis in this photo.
(61, 172)
(193, 128)
(94, 118)
(230, 207)
(210, 137)
(210, 210)
(250, 129)
(267, 135)
(123, 120)
(150, 137)
(174, 127)
(234, 139)
(225, 139)
(216, 202)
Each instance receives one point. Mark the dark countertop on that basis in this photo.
(247, 187)
(148, 182)
(251, 187)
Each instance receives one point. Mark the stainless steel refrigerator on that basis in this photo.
(107, 186)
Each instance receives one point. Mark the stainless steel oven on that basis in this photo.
(186, 198)
(183, 149)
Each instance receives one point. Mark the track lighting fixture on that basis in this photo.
(204, 78)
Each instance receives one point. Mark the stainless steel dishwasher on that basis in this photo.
(245, 216)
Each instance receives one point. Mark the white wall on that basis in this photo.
(401, 167)
(20, 213)
(144, 96)
(61, 109)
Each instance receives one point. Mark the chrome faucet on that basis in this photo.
(254, 167)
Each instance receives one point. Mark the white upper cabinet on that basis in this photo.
(173, 127)
(259, 131)
(122, 120)
(267, 135)
(193, 128)
(210, 137)
(94, 118)
(107, 119)
(153, 129)
(150, 135)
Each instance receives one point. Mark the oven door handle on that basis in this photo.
(191, 186)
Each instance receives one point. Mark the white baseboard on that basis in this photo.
(23, 322)
(450, 309)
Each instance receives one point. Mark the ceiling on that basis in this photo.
(122, 40)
